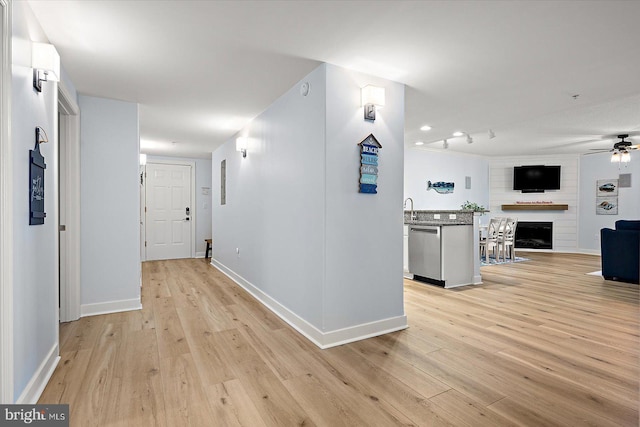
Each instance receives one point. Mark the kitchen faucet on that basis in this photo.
(412, 215)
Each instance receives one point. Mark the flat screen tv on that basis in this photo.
(536, 179)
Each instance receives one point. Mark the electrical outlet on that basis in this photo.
(436, 216)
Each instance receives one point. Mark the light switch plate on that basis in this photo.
(436, 216)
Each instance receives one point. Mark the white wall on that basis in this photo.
(421, 166)
(275, 202)
(110, 230)
(35, 253)
(363, 281)
(565, 223)
(202, 204)
(593, 168)
(310, 246)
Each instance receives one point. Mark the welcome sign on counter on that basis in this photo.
(369, 148)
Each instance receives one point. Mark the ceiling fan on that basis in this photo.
(620, 150)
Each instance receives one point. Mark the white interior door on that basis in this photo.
(168, 211)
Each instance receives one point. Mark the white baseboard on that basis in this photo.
(316, 336)
(563, 251)
(110, 307)
(40, 378)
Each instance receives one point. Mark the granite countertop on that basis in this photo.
(439, 217)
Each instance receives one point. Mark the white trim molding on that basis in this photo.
(322, 339)
(110, 307)
(6, 210)
(39, 381)
(70, 133)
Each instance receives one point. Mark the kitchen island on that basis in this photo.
(441, 247)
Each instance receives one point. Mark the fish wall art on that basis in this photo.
(440, 187)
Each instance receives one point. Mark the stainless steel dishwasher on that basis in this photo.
(424, 251)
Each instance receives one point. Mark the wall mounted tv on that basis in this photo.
(536, 179)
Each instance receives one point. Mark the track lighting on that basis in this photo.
(445, 144)
(469, 139)
(491, 134)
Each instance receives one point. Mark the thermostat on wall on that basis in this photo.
(305, 88)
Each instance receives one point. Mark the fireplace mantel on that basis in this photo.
(535, 207)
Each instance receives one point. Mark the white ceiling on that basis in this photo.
(201, 70)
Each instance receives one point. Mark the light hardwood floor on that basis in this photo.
(540, 343)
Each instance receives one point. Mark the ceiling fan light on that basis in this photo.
(615, 157)
(625, 157)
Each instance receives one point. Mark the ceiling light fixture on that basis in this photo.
(419, 143)
(625, 157)
(445, 144)
(372, 98)
(469, 139)
(458, 133)
(615, 157)
(45, 62)
(425, 128)
(492, 134)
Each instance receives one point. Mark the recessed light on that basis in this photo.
(458, 133)
(425, 128)
(419, 143)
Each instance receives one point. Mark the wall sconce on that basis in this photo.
(45, 62)
(143, 159)
(372, 97)
(241, 145)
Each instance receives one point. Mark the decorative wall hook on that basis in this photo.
(39, 138)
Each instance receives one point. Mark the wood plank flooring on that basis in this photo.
(540, 343)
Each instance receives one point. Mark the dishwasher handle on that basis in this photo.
(426, 230)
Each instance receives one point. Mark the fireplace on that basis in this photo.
(534, 235)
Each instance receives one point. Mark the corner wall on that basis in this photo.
(110, 201)
(363, 271)
(295, 232)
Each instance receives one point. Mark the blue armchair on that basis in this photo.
(620, 251)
